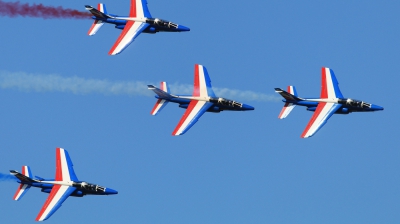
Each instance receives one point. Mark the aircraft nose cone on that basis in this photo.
(376, 107)
(247, 107)
(183, 28)
(110, 191)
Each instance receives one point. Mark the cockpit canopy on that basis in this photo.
(355, 103)
(164, 23)
(226, 102)
(89, 187)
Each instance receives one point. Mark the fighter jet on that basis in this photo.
(64, 185)
(139, 21)
(331, 102)
(203, 100)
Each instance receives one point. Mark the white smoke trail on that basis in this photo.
(77, 85)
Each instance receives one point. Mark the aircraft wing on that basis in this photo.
(139, 9)
(58, 194)
(132, 29)
(64, 166)
(202, 82)
(129, 33)
(330, 85)
(192, 114)
(321, 115)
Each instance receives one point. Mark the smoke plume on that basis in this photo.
(77, 85)
(7, 177)
(14, 9)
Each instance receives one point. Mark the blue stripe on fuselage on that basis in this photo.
(302, 103)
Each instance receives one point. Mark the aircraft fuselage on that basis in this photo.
(155, 24)
(347, 105)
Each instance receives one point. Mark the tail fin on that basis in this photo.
(163, 94)
(100, 13)
(290, 95)
(25, 179)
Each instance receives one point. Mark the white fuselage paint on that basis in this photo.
(334, 100)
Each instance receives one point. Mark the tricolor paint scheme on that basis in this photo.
(331, 102)
(64, 185)
(139, 21)
(203, 100)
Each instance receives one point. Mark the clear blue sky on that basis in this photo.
(232, 167)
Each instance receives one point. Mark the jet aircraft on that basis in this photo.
(203, 100)
(139, 21)
(64, 185)
(331, 102)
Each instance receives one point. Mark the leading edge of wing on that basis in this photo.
(321, 115)
(58, 194)
(129, 33)
(192, 114)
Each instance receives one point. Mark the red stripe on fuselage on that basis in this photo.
(188, 111)
(196, 85)
(314, 117)
(324, 87)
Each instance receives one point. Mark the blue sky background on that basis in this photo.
(232, 167)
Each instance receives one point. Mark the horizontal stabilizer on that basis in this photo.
(290, 95)
(287, 108)
(100, 13)
(25, 178)
(162, 92)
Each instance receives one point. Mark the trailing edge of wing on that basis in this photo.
(127, 36)
(321, 115)
(58, 194)
(192, 114)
